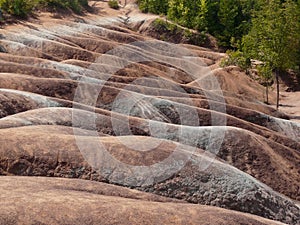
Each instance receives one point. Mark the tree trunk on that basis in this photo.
(277, 88)
(267, 93)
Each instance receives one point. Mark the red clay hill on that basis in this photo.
(153, 132)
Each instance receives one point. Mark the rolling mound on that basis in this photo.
(49, 200)
(203, 179)
(97, 99)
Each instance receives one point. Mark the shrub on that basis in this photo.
(22, 8)
(19, 8)
(171, 32)
(237, 58)
(194, 38)
(113, 4)
(75, 5)
(154, 6)
(165, 26)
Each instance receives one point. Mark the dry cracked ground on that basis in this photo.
(103, 124)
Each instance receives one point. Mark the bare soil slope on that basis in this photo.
(167, 118)
(49, 200)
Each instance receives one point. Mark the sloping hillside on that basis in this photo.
(95, 98)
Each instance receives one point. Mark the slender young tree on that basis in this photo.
(265, 72)
(274, 37)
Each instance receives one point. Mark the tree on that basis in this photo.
(265, 72)
(175, 9)
(274, 37)
(158, 6)
(184, 12)
(229, 16)
(201, 21)
(19, 8)
(153, 6)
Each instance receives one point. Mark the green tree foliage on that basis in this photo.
(237, 58)
(154, 6)
(228, 20)
(265, 73)
(201, 19)
(189, 13)
(19, 8)
(235, 21)
(22, 8)
(229, 14)
(274, 36)
(171, 32)
(75, 5)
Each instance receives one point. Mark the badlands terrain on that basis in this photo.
(101, 123)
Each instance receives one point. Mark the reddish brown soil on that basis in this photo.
(48, 200)
(40, 72)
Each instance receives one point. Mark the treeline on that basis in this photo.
(265, 30)
(227, 20)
